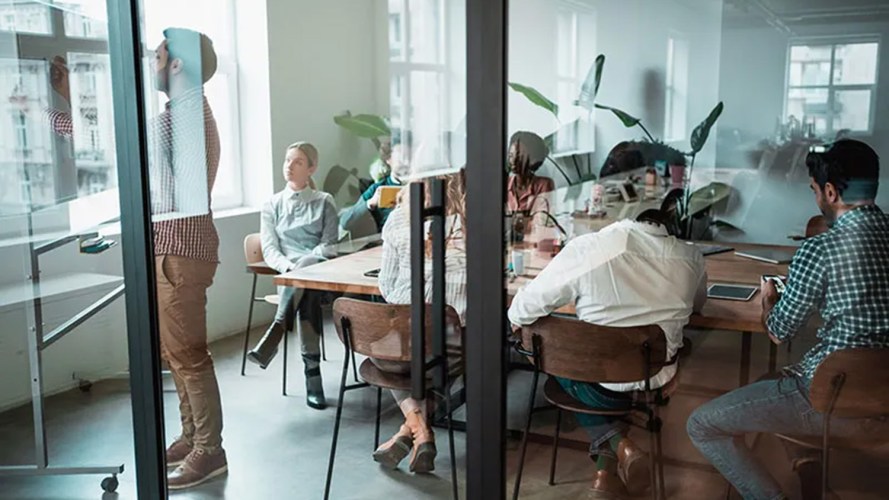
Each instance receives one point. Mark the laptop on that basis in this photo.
(770, 255)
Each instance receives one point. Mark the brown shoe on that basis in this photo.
(423, 456)
(177, 452)
(393, 451)
(606, 487)
(198, 467)
(633, 467)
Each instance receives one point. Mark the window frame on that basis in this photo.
(831, 87)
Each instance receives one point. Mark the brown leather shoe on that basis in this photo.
(177, 452)
(198, 467)
(393, 451)
(633, 467)
(423, 456)
(606, 486)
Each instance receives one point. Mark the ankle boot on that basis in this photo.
(314, 386)
(267, 347)
(393, 451)
(423, 456)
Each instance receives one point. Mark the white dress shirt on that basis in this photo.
(298, 225)
(628, 274)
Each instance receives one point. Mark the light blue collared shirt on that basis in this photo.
(298, 225)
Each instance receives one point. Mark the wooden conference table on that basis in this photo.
(347, 275)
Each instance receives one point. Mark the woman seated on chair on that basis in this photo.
(299, 227)
(415, 435)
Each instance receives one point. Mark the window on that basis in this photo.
(418, 88)
(676, 113)
(23, 16)
(832, 87)
(221, 91)
(20, 125)
(575, 54)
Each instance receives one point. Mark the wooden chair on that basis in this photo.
(257, 267)
(580, 351)
(848, 384)
(383, 331)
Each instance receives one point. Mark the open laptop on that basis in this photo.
(770, 255)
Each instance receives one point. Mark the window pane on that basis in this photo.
(805, 105)
(855, 64)
(809, 65)
(25, 17)
(425, 31)
(565, 52)
(85, 18)
(852, 110)
(91, 112)
(396, 30)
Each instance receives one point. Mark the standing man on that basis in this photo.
(184, 159)
(843, 274)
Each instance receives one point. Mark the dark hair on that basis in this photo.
(844, 161)
(653, 216)
(195, 50)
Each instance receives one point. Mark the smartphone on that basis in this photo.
(777, 280)
(388, 196)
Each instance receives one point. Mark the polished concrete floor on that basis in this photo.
(277, 447)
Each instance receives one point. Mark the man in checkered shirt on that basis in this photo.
(183, 159)
(843, 274)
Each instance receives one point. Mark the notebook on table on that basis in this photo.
(770, 255)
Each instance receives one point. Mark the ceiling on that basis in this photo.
(787, 14)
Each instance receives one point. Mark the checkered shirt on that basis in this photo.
(843, 273)
(177, 134)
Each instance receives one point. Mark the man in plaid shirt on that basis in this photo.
(844, 275)
(183, 159)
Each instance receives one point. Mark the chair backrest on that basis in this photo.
(383, 331)
(816, 226)
(584, 352)
(253, 249)
(864, 374)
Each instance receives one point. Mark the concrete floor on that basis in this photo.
(277, 447)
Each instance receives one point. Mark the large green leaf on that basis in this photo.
(536, 98)
(627, 119)
(702, 131)
(707, 196)
(590, 87)
(367, 126)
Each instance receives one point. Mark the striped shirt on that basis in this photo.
(843, 273)
(395, 271)
(183, 160)
(298, 224)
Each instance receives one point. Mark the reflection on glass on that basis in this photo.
(852, 110)
(25, 17)
(856, 64)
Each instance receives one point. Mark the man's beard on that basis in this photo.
(161, 81)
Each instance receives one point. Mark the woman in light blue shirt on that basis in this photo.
(299, 227)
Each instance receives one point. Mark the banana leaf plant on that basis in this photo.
(365, 126)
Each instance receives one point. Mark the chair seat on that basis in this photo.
(556, 396)
(261, 268)
(371, 374)
(865, 441)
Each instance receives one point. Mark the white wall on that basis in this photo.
(326, 57)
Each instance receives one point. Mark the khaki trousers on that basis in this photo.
(182, 320)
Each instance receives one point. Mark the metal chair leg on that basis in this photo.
(247, 329)
(659, 457)
(552, 465)
(355, 368)
(652, 441)
(379, 410)
(323, 347)
(284, 372)
(518, 478)
(336, 426)
(451, 446)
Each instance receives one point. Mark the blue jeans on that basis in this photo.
(781, 406)
(601, 428)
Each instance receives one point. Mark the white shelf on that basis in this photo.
(56, 287)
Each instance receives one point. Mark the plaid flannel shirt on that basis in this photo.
(843, 273)
(185, 144)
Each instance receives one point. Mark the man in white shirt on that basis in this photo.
(631, 273)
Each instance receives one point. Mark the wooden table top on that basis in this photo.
(346, 275)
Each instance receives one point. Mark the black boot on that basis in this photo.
(267, 348)
(314, 387)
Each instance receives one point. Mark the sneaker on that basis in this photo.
(177, 452)
(197, 468)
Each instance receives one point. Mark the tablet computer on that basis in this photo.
(389, 196)
(731, 292)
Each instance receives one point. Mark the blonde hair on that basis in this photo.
(455, 197)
